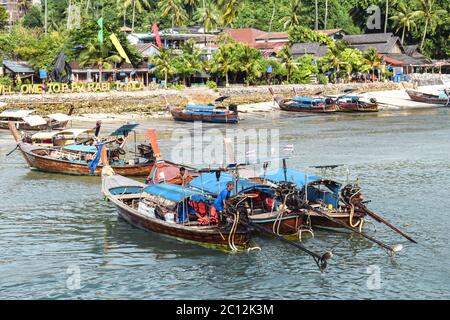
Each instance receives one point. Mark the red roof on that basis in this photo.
(392, 61)
(273, 35)
(246, 35)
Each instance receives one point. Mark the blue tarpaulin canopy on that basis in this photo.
(208, 182)
(294, 176)
(196, 107)
(81, 148)
(125, 129)
(173, 192)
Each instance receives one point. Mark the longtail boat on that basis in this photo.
(160, 208)
(443, 98)
(262, 204)
(306, 104)
(205, 113)
(27, 121)
(330, 206)
(353, 103)
(74, 159)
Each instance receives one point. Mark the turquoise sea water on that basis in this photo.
(53, 227)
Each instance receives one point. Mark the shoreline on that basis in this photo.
(139, 105)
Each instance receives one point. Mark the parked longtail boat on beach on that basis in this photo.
(353, 103)
(84, 159)
(443, 98)
(27, 121)
(206, 113)
(305, 104)
(164, 209)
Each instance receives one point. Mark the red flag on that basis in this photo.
(156, 32)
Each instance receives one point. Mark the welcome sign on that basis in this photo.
(55, 87)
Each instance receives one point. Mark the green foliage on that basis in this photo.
(306, 67)
(34, 18)
(305, 34)
(3, 17)
(211, 84)
(6, 81)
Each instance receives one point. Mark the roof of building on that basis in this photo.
(273, 35)
(142, 47)
(382, 42)
(408, 60)
(246, 35)
(312, 48)
(18, 66)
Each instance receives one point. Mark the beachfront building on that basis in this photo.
(124, 72)
(18, 71)
(404, 59)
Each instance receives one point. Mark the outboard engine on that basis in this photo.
(373, 100)
(233, 107)
(328, 101)
(146, 151)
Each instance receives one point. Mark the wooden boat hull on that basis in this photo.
(320, 222)
(179, 115)
(285, 226)
(358, 107)
(289, 105)
(210, 236)
(426, 98)
(47, 164)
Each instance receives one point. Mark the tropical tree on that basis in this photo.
(404, 19)
(306, 66)
(174, 9)
(326, 15)
(24, 5)
(208, 16)
(386, 16)
(372, 59)
(96, 55)
(4, 16)
(429, 14)
(249, 61)
(224, 61)
(189, 62)
(138, 5)
(230, 10)
(293, 19)
(287, 61)
(316, 23)
(33, 18)
(164, 63)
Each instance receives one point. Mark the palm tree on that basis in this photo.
(249, 62)
(208, 16)
(326, 15)
(404, 19)
(287, 61)
(137, 5)
(372, 59)
(230, 10)
(431, 15)
(224, 61)
(96, 55)
(163, 63)
(173, 8)
(293, 19)
(192, 4)
(24, 5)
